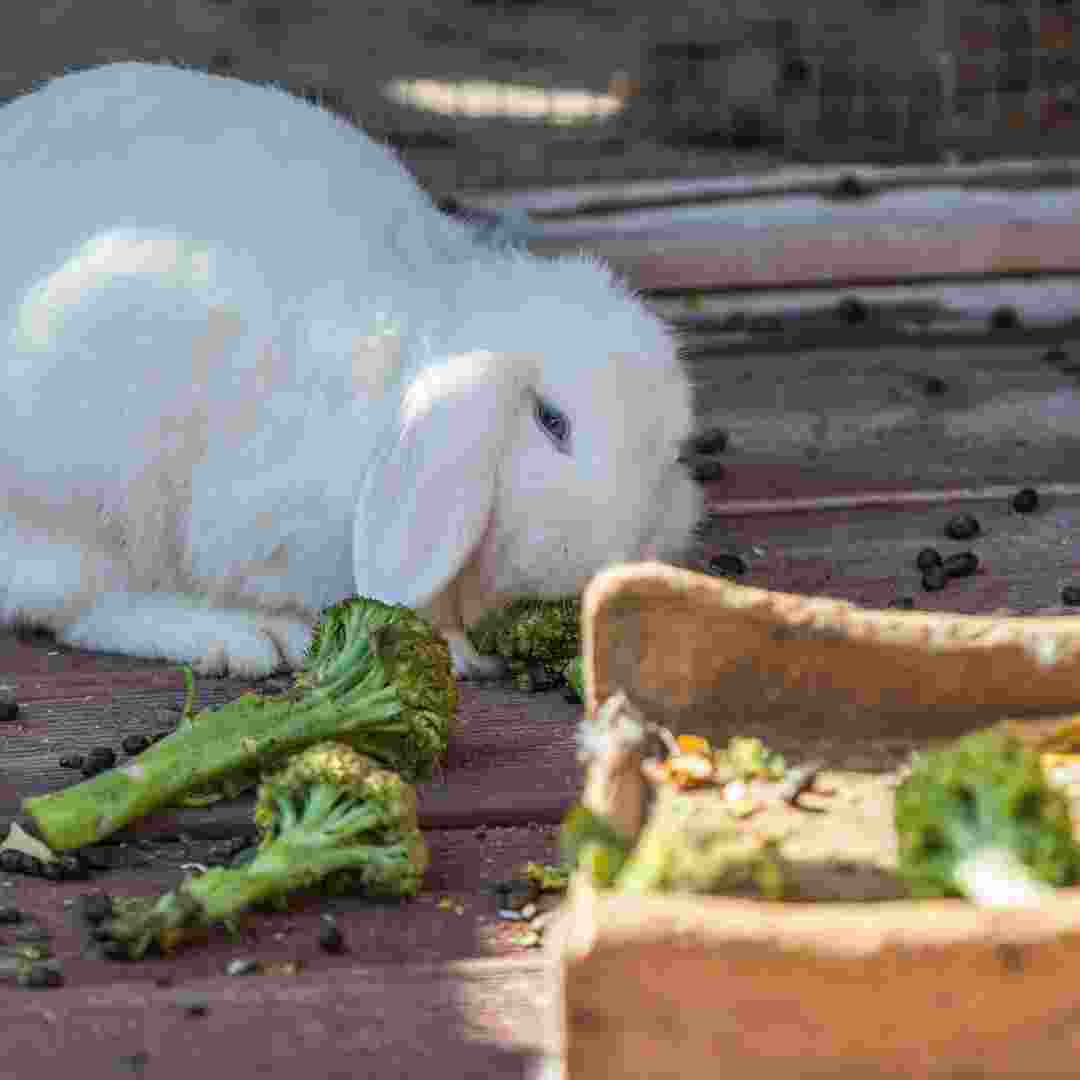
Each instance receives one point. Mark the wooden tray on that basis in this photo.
(689, 987)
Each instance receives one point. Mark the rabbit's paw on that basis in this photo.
(213, 641)
(468, 663)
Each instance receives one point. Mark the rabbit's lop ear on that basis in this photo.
(428, 496)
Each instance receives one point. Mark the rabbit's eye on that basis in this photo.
(554, 424)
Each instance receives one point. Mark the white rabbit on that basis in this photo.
(251, 370)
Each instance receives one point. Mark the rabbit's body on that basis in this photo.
(250, 370)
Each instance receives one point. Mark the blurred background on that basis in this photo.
(862, 218)
(494, 93)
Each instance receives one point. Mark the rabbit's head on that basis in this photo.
(539, 447)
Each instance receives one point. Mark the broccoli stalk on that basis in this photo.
(978, 818)
(330, 816)
(378, 678)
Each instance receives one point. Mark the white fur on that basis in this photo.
(250, 370)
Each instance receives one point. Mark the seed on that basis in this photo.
(331, 940)
(934, 578)
(1070, 595)
(1025, 500)
(72, 761)
(244, 965)
(134, 744)
(928, 557)
(962, 564)
(727, 565)
(903, 602)
(962, 527)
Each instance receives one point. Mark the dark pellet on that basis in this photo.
(40, 977)
(714, 441)
(903, 602)
(852, 311)
(96, 858)
(72, 761)
(29, 865)
(934, 386)
(962, 564)
(134, 744)
(727, 565)
(95, 907)
(962, 527)
(928, 557)
(98, 760)
(1004, 318)
(73, 868)
(1070, 595)
(1056, 357)
(10, 915)
(850, 187)
(934, 579)
(11, 861)
(33, 933)
(331, 939)
(114, 950)
(706, 470)
(1025, 500)
(9, 707)
(51, 870)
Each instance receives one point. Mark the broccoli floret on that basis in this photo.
(378, 678)
(537, 638)
(330, 816)
(978, 818)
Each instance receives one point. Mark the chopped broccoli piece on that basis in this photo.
(978, 818)
(590, 843)
(693, 843)
(330, 816)
(378, 678)
(537, 638)
(547, 878)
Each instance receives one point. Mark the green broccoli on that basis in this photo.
(978, 818)
(377, 677)
(590, 843)
(330, 816)
(574, 673)
(537, 638)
